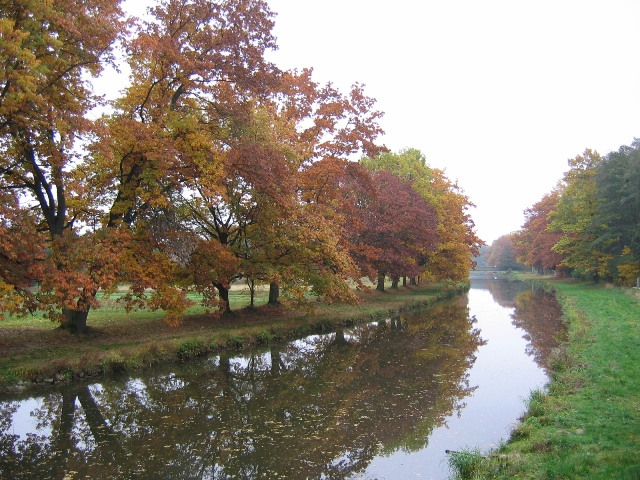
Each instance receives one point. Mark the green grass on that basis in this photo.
(465, 464)
(587, 426)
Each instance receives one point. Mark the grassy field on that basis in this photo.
(586, 425)
(34, 350)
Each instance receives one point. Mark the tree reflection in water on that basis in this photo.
(536, 311)
(319, 407)
(539, 314)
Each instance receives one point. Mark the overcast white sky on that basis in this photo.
(499, 93)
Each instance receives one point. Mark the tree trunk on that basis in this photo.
(340, 339)
(274, 293)
(277, 365)
(395, 324)
(252, 291)
(63, 443)
(223, 292)
(394, 282)
(108, 448)
(75, 321)
(404, 281)
(102, 431)
(412, 281)
(380, 285)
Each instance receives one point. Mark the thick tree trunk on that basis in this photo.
(274, 293)
(394, 282)
(404, 281)
(223, 293)
(380, 285)
(412, 281)
(75, 321)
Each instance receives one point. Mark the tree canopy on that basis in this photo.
(212, 165)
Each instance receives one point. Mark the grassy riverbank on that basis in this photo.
(34, 350)
(587, 425)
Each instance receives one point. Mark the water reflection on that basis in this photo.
(535, 311)
(539, 314)
(504, 292)
(320, 407)
(504, 374)
(348, 404)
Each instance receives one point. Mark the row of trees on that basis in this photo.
(589, 225)
(212, 165)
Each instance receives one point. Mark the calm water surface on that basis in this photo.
(377, 401)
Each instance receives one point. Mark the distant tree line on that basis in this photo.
(500, 255)
(212, 165)
(588, 226)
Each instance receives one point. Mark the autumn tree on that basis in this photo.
(330, 128)
(186, 124)
(400, 224)
(23, 256)
(255, 207)
(534, 243)
(339, 191)
(49, 52)
(501, 254)
(458, 244)
(380, 220)
(574, 217)
(255, 186)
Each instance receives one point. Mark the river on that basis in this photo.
(382, 400)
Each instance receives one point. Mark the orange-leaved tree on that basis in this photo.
(458, 242)
(56, 261)
(178, 129)
(329, 128)
(534, 242)
(339, 191)
(300, 246)
(502, 255)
